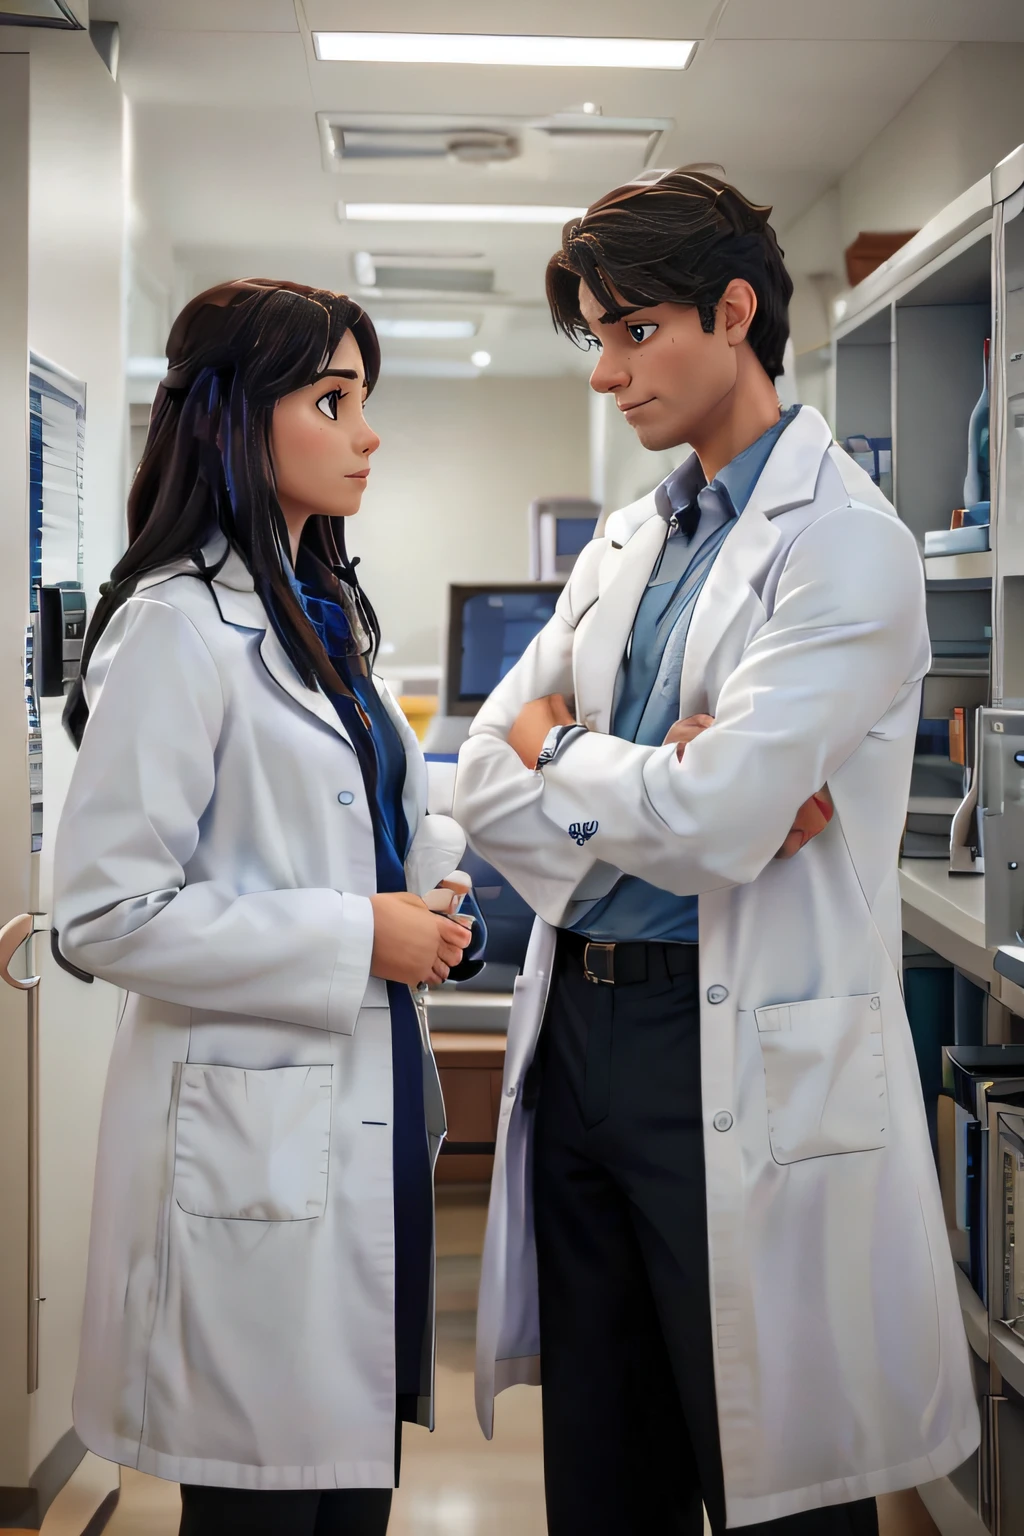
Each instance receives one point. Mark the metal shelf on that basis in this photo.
(974, 568)
(975, 1316)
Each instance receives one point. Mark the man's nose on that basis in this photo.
(609, 375)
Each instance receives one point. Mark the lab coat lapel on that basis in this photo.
(241, 605)
(625, 574)
(789, 479)
(277, 662)
(727, 591)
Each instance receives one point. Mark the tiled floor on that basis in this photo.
(454, 1483)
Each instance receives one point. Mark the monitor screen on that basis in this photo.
(496, 628)
(573, 534)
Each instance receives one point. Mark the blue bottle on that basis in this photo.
(976, 485)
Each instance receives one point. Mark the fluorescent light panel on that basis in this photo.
(459, 213)
(481, 48)
(425, 330)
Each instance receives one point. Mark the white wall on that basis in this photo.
(14, 821)
(459, 463)
(965, 117)
(74, 316)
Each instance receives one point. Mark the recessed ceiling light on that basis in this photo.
(480, 359)
(426, 330)
(479, 48)
(459, 213)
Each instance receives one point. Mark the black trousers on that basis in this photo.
(630, 1418)
(339, 1512)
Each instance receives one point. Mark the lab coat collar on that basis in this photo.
(637, 533)
(788, 479)
(241, 605)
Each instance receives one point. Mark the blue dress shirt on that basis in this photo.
(700, 518)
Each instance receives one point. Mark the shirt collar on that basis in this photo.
(680, 490)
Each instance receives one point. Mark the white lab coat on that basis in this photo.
(841, 1365)
(215, 858)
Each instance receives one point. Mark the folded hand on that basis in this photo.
(534, 722)
(812, 817)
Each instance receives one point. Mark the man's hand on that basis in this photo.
(685, 730)
(812, 817)
(535, 720)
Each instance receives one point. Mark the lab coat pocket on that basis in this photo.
(252, 1145)
(824, 1076)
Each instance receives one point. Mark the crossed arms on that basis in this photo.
(846, 637)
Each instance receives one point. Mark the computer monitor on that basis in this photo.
(489, 628)
(560, 529)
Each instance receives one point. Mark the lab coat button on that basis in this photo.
(717, 994)
(876, 1003)
(722, 1121)
(510, 1091)
(346, 797)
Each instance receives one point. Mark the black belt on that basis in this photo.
(622, 965)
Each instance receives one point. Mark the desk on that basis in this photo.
(947, 912)
(470, 1068)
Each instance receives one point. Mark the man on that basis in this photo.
(715, 1168)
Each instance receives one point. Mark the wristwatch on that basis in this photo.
(555, 740)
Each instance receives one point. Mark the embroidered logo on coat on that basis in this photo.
(582, 831)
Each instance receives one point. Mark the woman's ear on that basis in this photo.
(739, 306)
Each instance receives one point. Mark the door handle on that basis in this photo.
(12, 936)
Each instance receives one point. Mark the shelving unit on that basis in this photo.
(908, 349)
(973, 568)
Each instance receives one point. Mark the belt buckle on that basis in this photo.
(607, 950)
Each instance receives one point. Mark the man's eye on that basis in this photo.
(639, 333)
(591, 342)
(328, 404)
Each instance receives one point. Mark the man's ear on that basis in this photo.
(738, 306)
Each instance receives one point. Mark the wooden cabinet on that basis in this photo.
(470, 1067)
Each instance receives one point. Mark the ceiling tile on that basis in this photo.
(222, 68)
(201, 15)
(980, 21)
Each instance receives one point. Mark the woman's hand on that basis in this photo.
(411, 944)
(535, 720)
(812, 817)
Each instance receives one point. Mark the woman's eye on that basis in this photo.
(328, 404)
(592, 343)
(639, 333)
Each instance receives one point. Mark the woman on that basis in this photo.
(243, 849)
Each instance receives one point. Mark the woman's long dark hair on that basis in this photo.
(233, 353)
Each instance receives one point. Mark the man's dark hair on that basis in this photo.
(678, 240)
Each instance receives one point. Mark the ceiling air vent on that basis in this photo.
(567, 144)
(482, 146)
(408, 272)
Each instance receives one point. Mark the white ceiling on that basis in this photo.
(225, 93)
